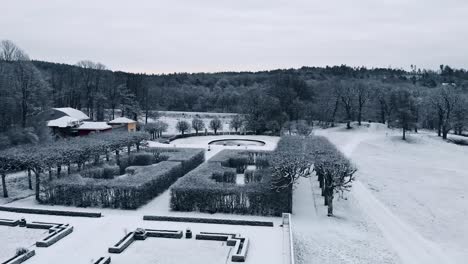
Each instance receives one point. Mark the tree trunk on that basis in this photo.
(382, 114)
(348, 124)
(30, 180)
(5, 191)
(330, 204)
(404, 133)
(444, 132)
(138, 147)
(360, 115)
(59, 170)
(50, 174)
(38, 184)
(128, 149)
(117, 157)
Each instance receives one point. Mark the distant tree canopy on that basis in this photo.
(268, 99)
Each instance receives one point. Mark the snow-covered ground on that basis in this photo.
(92, 237)
(202, 142)
(172, 117)
(409, 204)
(17, 237)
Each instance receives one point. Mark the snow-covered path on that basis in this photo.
(411, 247)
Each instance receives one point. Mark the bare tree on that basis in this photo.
(10, 52)
(198, 125)
(216, 124)
(183, 126)
(236, 122)
(362, 92)
(445, 100)
(346, 95)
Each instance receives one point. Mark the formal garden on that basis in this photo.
(121, 171)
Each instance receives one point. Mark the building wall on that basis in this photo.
(131, 127)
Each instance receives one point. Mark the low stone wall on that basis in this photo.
(288, 242)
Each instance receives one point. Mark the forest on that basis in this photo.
(271, 101)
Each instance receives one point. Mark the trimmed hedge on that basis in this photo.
(105, 171)
(206, 220)
(128, 191)
(204, 190)
(48, 212)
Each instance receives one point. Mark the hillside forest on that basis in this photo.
(270, 101)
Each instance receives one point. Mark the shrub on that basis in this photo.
(105, 171)
(227, 176)
(20, 251)
(211, 188)
(128, 192)
(141, 159)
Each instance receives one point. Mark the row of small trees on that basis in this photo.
(297, 157)
(215, 124)
(67, 152)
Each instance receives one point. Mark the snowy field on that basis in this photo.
(172, 117)
(409, 204)
(17, 237)
(156, 250)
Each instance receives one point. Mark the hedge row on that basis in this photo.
(206, 220)
(48, 212)
(210, 188)
(128, 191)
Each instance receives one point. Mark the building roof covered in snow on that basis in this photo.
(72, 112)
(94, 126)
(64, 121)
(122, 120)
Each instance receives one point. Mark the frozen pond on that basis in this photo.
(237, 142)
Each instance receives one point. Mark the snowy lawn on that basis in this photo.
(409, 204)
(156, 250)
(172, 117)
(17, 237)
(202, 142)
(93, 236)
(18, 187)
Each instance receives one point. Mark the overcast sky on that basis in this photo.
(215, 35)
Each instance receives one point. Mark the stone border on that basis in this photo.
(207, 220)
(103, 260)
(56, 232)
(48, 212)
(288, 241)
(143, 234)
(9, 222)
(240, 244)
(21, 258)
(249, 140)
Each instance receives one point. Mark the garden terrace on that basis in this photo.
(142, 234)
(130, 191)
(55, 232)
(211, 188)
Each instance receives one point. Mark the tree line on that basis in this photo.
(270, 100)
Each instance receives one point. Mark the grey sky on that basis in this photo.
(216, 35)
